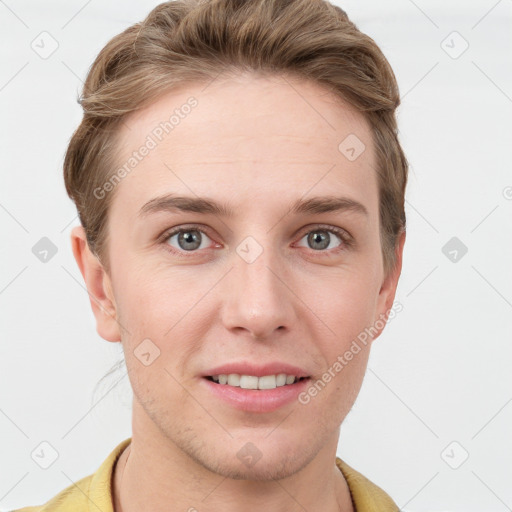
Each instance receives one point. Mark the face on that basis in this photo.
(272, 286)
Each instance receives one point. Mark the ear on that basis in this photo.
(99, 286)
(388, 288)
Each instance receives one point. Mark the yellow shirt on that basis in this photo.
(94, 492)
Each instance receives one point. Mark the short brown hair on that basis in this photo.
(190, 41)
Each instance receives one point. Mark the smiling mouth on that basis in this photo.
(253, 382)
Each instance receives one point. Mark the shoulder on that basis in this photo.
(366, 496)
(73, 497)
(93, 489)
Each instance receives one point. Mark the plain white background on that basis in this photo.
(432, 423)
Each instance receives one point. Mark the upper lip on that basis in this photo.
(246, 368)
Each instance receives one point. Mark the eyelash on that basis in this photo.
(347, 241)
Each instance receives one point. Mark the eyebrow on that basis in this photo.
(204, 205)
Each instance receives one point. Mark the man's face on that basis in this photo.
(265, 285)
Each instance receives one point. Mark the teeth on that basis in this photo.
(253, 382)
(234, 379)
(267, 382)
(281, 379)
(248, 382)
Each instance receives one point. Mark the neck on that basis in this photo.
(174, 471)
(136, 487)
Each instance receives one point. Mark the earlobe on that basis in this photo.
(98, 286)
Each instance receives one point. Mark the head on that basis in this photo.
(261, 107)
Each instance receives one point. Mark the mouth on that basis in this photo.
(252, 382)
(255, 394)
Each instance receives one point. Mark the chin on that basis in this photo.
(255, 461)
(262, 470)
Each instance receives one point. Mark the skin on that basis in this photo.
(258, 144)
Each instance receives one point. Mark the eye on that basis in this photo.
(320, 239)
(186, 239)
(190, 239)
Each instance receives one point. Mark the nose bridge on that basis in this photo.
(258, 300)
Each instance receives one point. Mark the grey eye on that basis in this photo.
(320, 239)
(188, 239)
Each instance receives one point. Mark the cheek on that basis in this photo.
(347, 303)
(153, 300)
(349, 309)
(344, 353)
(157, 312)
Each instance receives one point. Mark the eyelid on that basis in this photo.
(341, 232)
(184, 227)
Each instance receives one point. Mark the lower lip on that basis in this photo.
(257, 400)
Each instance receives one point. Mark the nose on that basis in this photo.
(256, 295)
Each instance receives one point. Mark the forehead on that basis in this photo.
(248, 137)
